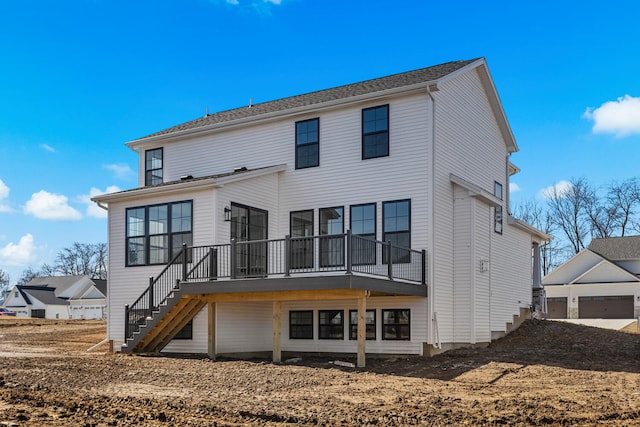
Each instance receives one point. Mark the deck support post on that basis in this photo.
(211, 336)
(362, 330)
(277, 331)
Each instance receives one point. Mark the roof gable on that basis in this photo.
(588, 267)
(605, 272)
(572, 268)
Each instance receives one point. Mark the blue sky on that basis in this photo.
(79, 78)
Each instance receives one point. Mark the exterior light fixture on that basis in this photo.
(227, 213)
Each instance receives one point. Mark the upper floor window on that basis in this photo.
(497, 220)
(375, 132)
(156, 233)
(307, 143)
(497, 190)
(396, 219)
(153, 166)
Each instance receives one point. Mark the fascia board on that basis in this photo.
(178, 187)
(138, 144)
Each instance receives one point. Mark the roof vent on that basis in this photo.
(186, 177)
(242, 169)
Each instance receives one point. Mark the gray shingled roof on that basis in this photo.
(101, 285)
(617, 248)
(191, 179)
(408, 78)
(42, 293)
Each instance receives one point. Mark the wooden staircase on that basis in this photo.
(163, 324)
(518, 319)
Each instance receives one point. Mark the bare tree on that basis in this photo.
(81, 259)
(603, 214)
(625, 197)
(5, 286)
(27, 276)
(568, 210)
(551, 252)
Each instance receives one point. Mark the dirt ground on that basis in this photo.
(545, 373)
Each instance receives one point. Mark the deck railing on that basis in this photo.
(286, 257)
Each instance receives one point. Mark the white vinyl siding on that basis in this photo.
(467, 135)
(126, 284)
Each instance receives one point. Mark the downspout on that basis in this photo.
(100, 205)
(433, 319)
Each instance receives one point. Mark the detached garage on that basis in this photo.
(601, 282)
(606, 307)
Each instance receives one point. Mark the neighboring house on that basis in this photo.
(599, 282)
(288, 209)
(59, 297)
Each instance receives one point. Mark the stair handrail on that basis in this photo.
(149, 291)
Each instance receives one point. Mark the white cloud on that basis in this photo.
(48, 148)
(120, 170)
(4, 193)
(620, 117)
(273, 1)
(233, 2)
(559, 188)
(93, 210)
(21, 254)
(513, 187)
(45, 205)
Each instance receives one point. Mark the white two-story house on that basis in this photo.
(370, 218)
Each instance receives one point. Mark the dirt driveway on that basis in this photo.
(545, 373)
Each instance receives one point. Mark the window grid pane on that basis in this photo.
(153, 166)
(307, 144)
(332, 248)
(331, 324)
(397, 230)
(301, 324)
(375, 132)
(396, 324)
(370, 320)
(152, 238)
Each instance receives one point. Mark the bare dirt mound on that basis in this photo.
(545, 373)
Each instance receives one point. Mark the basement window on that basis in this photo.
(301, 325)
(396, 325)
